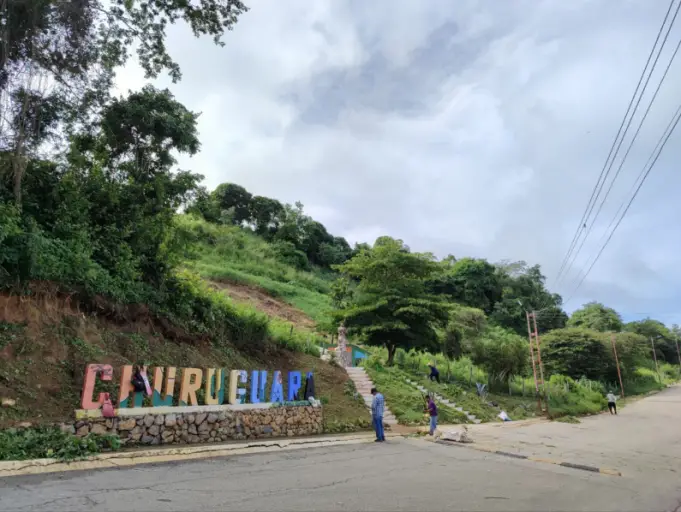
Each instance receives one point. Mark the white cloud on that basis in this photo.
(467, 128)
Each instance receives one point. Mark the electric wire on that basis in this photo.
(631, 143)
(601, 179)
(652, 160)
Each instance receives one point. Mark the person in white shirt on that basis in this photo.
(612, 399)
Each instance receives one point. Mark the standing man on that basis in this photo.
(612, 405)
(377, 407)
(432, 410)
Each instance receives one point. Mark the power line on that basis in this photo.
(599, 185)
(653, 160)
(631, 143)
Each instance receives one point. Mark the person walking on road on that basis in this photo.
(432, 411)
(377, 407)
(612, 405)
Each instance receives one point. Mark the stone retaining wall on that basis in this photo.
(205, 427)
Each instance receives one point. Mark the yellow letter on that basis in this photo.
(188, 388)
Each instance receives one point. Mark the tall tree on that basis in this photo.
(501, 352)
(391, 306)
(58, 60)
(524, 290)
(596, 316)
(663, 338)
(236, 199)
(469, 281)
(124, 171)
(265, 215)
(578, 353)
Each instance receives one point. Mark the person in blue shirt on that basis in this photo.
(434, 373)
(377, 408)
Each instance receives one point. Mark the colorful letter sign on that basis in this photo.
(210, 386)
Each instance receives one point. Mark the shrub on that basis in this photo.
(501, 352)
(51, 442)
(578, 352)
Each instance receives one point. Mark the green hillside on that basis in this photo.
(98, 262)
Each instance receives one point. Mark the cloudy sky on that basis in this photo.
(469, 127)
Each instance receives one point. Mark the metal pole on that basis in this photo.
(619, 374)
(541, 365)
(657, 368)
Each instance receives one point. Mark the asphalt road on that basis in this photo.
(401, 474)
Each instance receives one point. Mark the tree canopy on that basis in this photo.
(596, 316)
(391, 305)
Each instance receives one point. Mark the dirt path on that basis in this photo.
(266, 303)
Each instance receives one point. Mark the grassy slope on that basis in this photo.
(45, 343)
(231, 255)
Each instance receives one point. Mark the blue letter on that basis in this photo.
(293, 384)
(258, 381)
(277, 392)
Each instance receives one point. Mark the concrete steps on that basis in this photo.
(439, 398)
(363, 384)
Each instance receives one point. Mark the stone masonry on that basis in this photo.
(188, 428)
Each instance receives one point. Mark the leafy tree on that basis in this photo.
(123, 175)
(577, 353)
(524, 290)
(471, 322)
(633, 350)
(391, 306)
(334, 253)
(663, 338)
(236, 199)
(59, 58)
(501, 352)
(452, 341)
(204, 205)
(596, 316)
(266, 215)
(288, 253)
(473, 282)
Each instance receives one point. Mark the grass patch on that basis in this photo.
(228, 253)
(405, 401)
(51, 442)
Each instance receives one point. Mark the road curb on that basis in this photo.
(565, 464)
(158, 455)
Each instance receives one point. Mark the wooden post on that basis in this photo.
(617, 362)
(534, 366)
(657, 368)
(539, 361)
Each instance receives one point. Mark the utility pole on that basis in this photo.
(534, 365)
(535, 345)
(678, 355)
(657, 368)
(617, 362)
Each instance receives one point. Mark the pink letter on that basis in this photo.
(105, 373)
